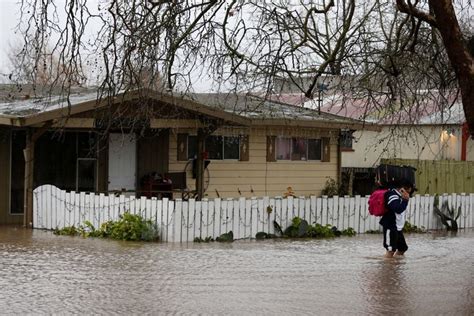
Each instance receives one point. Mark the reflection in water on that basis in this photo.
(43, 273)
(386, 287)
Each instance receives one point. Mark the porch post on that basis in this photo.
(201, 136)
(29, 154)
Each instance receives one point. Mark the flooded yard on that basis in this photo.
(41, 273)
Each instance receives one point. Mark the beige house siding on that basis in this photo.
(257, 177)
(421, 142)
(470, 150)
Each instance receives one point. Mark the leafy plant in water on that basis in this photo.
(324, 231)
(129, 227)
(448, 216)
(264, 235)
(226, 237)
(409, 228)
(349, 232)
(67, 231)
(132, 227)
(298, 228)
(371, 231)
(207, 239)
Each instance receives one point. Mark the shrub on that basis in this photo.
(371, 231)
(331, 188)
(129, 227)
(207, 239)
(67, 231)
(409, 228)
(349, 232)
(226, 237)
(324, 231)
(300, 228)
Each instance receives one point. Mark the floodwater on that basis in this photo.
(41, 273)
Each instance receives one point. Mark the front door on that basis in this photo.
(122, 161)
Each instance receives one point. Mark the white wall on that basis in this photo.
(424, 143)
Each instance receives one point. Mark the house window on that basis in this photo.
(86, 162)
(231, 148)
(192, 147)
(283, 148)
(213, 146)
(314, 149)
(86, 145)
(68, 160)
(86, 174)
(346, 139)
(217, 147)
(298, 149)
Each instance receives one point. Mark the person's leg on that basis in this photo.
(401, 244)
(388, 242)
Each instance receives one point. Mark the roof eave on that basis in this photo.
(317, 124)
(96, 104)
(198, 107)
(10, 120)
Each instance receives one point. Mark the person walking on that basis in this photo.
(396, 202)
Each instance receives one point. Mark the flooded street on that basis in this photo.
(41, 273)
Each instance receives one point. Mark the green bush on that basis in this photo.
(129, 227)
(331, 188)
(371, 231)
(226, 237)
(300, 228)
(349, 232)
(67, 231)
(207, 239)
(323, 231)
(409, 228)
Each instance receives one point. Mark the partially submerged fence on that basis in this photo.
(180, 221)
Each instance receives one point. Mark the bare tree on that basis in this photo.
(441, 15)
(40, 72)
(247, 45)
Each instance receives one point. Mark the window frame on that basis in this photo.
(346, 135)
(223, 137)
(291, 147)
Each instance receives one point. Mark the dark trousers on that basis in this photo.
(393, 240)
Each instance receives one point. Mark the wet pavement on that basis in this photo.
(41, 273)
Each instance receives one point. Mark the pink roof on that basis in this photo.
(426, 107)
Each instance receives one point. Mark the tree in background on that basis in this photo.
(389, 50)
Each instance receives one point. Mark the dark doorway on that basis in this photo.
(67, 160)
(17, 176)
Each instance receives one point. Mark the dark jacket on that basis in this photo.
(395, 205)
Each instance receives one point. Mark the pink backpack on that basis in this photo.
(377, 202)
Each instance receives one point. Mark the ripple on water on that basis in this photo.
(43, 273)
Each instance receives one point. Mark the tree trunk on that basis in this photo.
(201, 137)
(458, 53)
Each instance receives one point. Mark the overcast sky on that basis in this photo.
(9, 15)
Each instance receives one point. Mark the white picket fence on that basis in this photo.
(181, 221)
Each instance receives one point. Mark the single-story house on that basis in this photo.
(145, 142)
(433, 128)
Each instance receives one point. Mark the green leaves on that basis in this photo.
(131, 227)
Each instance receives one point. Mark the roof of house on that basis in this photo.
(257, 108)
(427, 108)
(238, 108)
